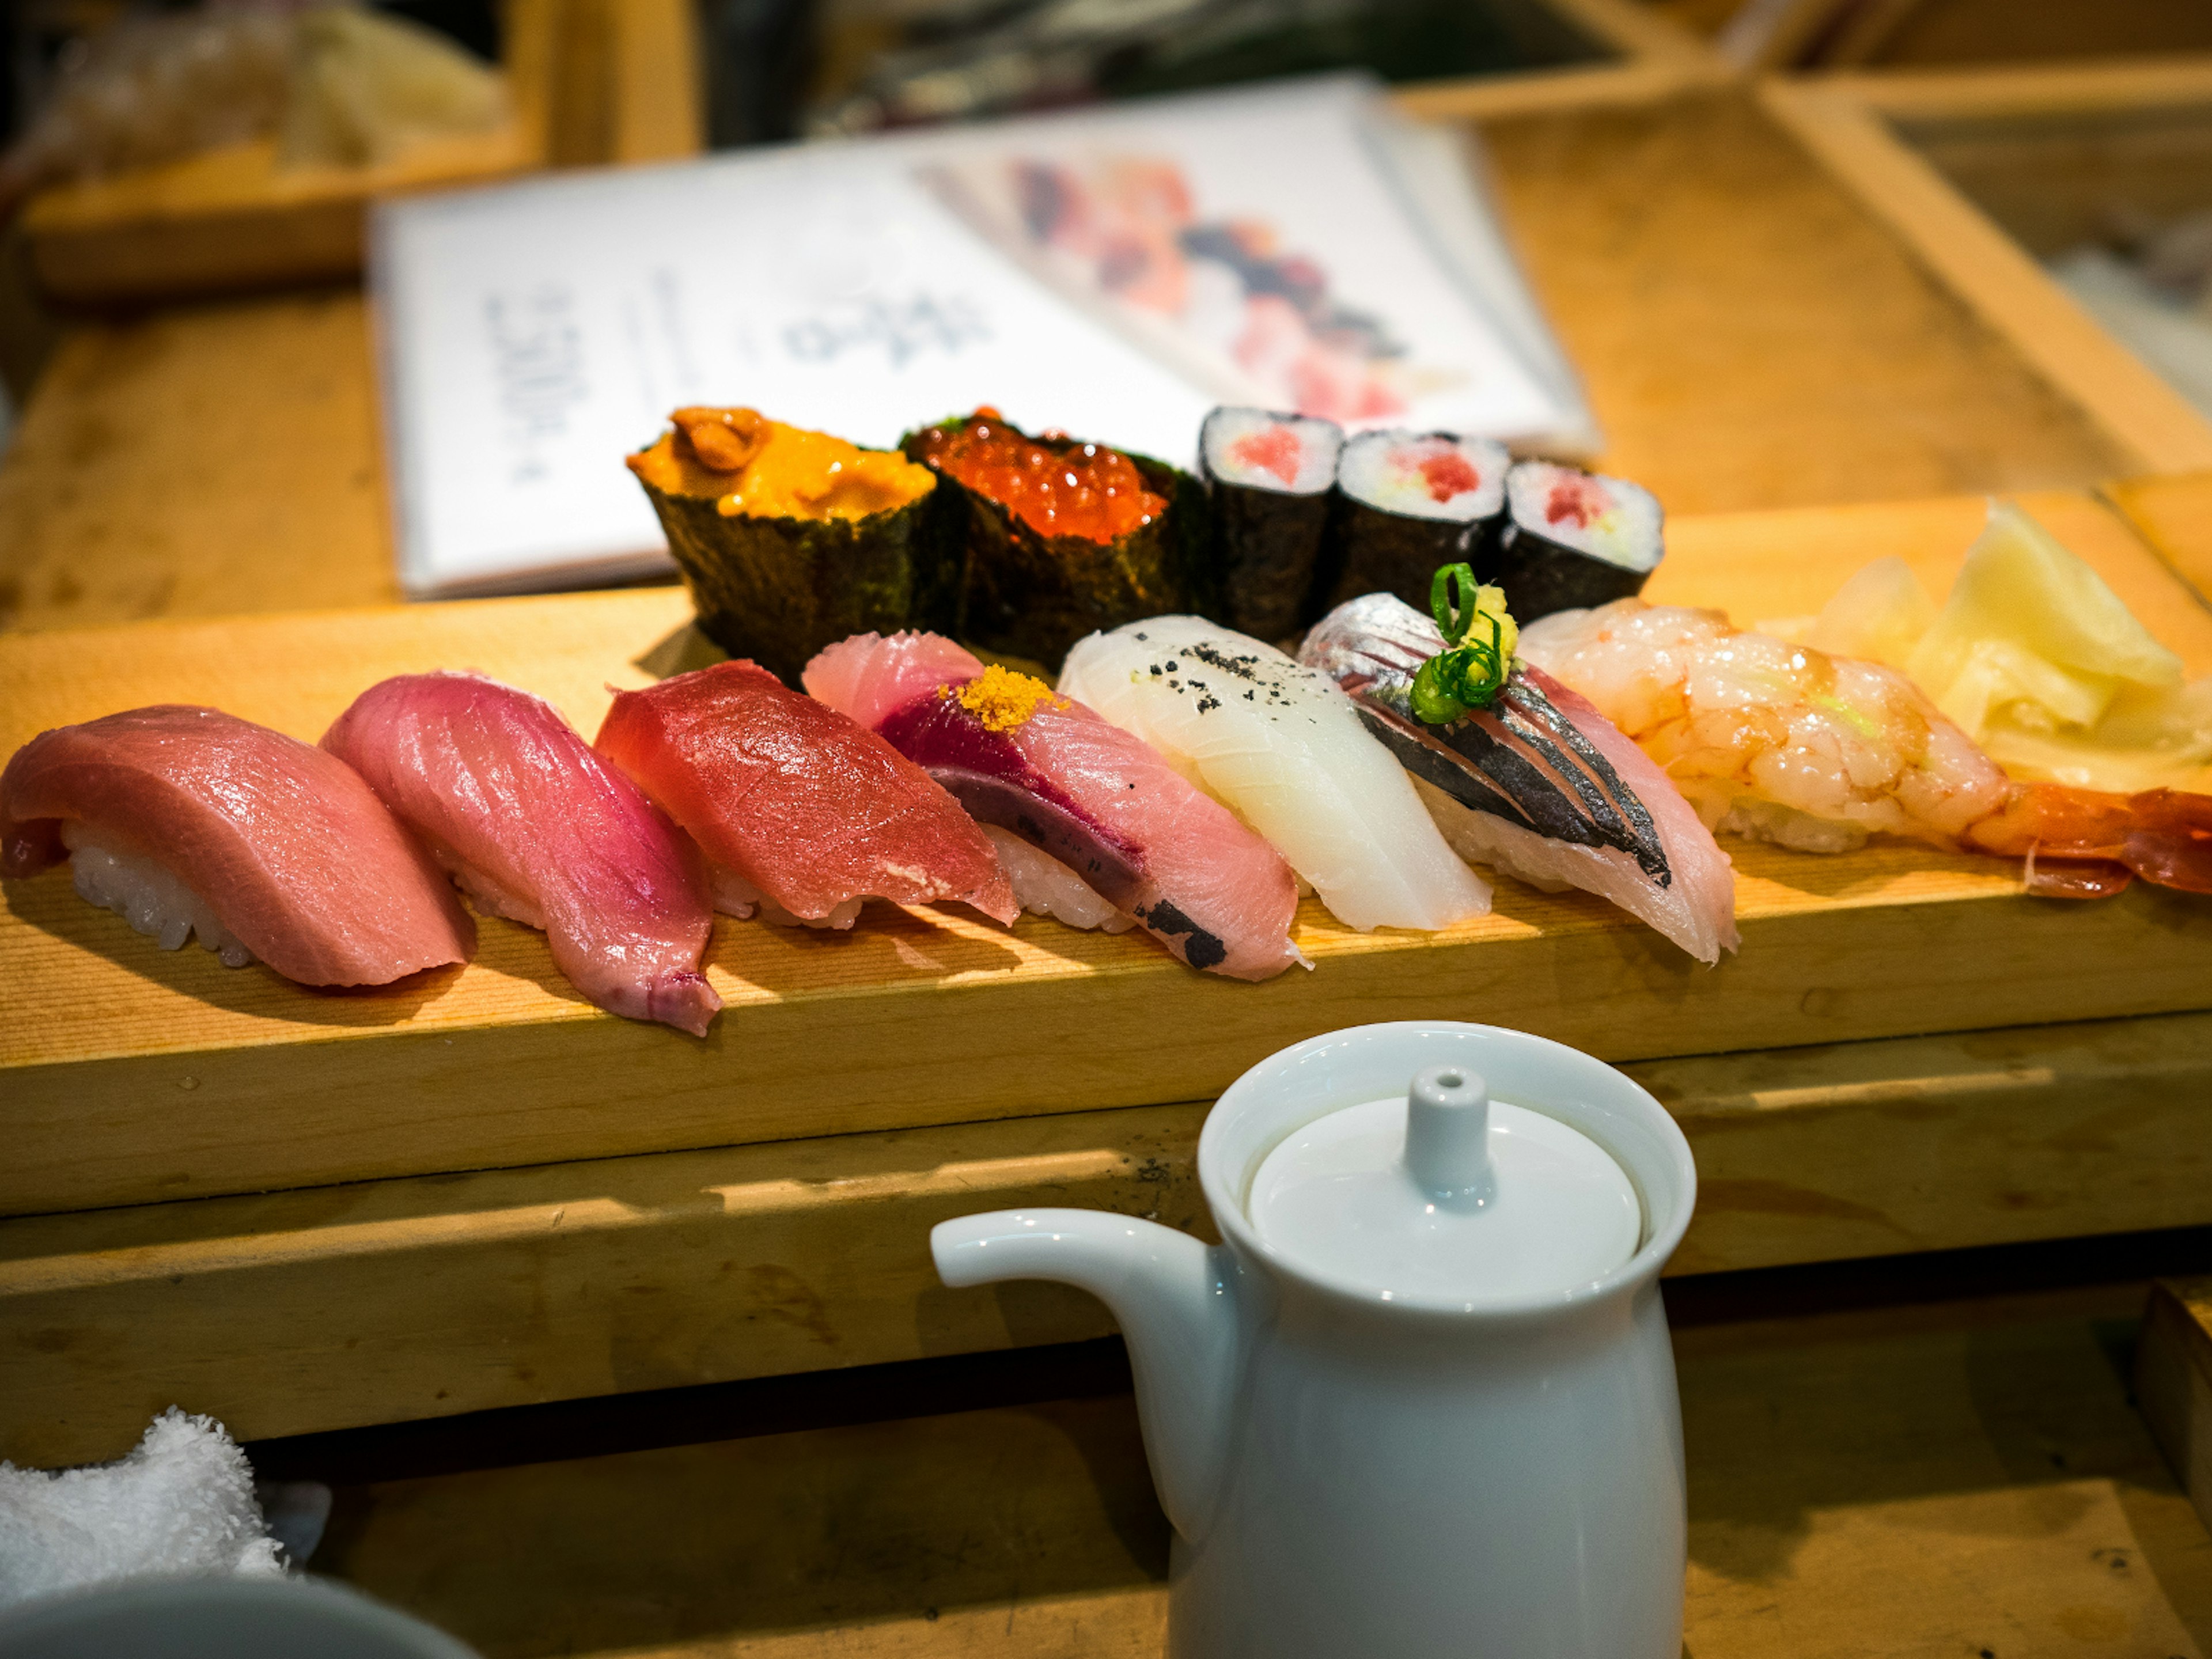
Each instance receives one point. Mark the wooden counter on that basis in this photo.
(603, 1206)
(1964, 1477)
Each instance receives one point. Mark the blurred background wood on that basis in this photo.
(1846, 125)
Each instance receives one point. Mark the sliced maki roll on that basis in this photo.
(1270, 476)
(1572, 539)
(1054, 538)
(1407, 502)
(790, 539)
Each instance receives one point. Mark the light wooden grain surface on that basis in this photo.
(1961, 1479)
(2174, 517)
(1751, 335)
(137, 1075)
(233, 218)
(330, 1308)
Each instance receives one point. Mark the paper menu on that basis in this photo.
(531, 334)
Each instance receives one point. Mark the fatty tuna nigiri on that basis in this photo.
(1285, 749)
(189, 820)
(1091, 819)
(537, 828)
(1539, 784)
(798, 809)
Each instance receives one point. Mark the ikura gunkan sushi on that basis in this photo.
(1055, 538)
(1270, 478)
(1407, 502)
(1571, 540)
(789, 539)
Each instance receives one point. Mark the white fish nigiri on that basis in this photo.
(1283, 748)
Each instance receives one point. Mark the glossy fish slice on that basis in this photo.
(1111, 813)
(808, 810)
(537, 827)
(189, 819)
(1285, 749)
(1539, 785)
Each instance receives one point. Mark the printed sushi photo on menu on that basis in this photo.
(1259, 253)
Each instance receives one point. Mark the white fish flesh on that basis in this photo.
(1283, 748)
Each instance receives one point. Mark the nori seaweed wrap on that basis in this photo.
(1270, 476)
(1406, 503)
(1054, 538)
(790, 540)
(1572, 539)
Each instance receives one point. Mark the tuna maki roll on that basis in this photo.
(1407, 502)
(1573, 540)
(789, 540)
(1054, 538)
(1270, 476)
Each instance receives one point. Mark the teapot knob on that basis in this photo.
(1448, 1135)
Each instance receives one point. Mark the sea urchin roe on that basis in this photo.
(1085, 490)
(1002, 699)
(757, 468)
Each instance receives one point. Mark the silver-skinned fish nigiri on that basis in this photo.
(1539, 784)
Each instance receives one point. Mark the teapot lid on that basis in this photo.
(1444, 1194)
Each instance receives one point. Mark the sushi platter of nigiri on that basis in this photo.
(1058, 689)
(1014, 673)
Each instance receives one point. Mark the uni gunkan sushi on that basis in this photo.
(1407, 502)
(789, 538)
(1271, 477)
(1573, 540)
(1054, 537)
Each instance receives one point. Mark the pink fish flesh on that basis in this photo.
(189, 820)
(537, 827)
(1539, 785)
(1099, 800)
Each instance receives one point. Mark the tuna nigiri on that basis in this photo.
(1538, 785)
(800, 810)
(1284, 748)
(1783, 743)
(1092, 820)
(189, 820)
(537, 828)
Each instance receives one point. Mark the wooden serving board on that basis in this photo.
(128, 1074)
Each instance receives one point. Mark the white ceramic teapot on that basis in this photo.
(1420, 1401)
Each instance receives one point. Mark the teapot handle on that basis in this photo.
(1175, 1301)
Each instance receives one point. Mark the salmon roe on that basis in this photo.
(1086, 489)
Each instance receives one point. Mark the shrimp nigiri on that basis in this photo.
(1783, 743)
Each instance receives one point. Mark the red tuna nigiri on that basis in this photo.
(1048, 775)
(796, 805)
(190, 820)
(537, 827)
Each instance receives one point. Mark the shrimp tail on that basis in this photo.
(2080, 843)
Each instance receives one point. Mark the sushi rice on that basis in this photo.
(147, 896)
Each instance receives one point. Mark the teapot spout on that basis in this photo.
(1175, 1301)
